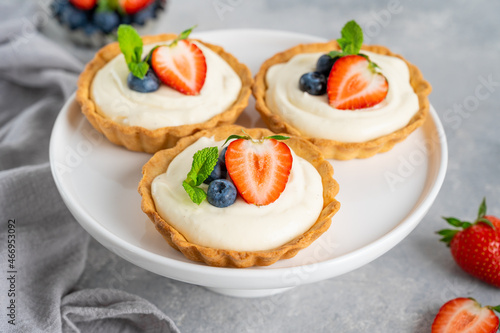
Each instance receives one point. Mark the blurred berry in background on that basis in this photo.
(93, 23)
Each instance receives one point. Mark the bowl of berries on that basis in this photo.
(93, 23)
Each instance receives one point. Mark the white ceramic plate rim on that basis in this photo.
(250, 278)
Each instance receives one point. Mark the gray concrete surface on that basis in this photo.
(456, 44)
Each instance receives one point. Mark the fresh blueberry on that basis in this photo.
(325, 64)
(57, 7)
(145, 14)
(149, 83)
(222, 155)
(220, 170)
(90, 29)
(313, 83)
(107, 21)
(73, 17)
(221, 193)
(217, 173)
(126, 19)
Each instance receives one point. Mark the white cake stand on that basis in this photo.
(383, 198)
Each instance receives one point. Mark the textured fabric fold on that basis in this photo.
(103, 310)
(48, 247)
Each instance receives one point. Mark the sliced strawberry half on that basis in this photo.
(355, 84)
(182, 66)
(465, 315)
(83, 4)
(133, 6)
(259, 169)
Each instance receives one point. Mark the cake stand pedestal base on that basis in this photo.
(248, 293)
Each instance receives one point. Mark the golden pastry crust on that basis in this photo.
(137, 138)
(331, 148)
(159, 163)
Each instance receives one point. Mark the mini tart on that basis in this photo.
(137, 138)
(159, 163)
(337, 149)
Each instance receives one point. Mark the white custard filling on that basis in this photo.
(314, 117)
(241, 226)
(166, 106)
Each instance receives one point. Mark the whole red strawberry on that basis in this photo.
(476, 246)
(133, 6)
(83, 4)
(462, 315)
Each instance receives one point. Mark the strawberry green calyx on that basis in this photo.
(486, 306)
(277, 137)
(235, 136)
(371, 65)
(494, 308)
(183, 35)
(248, 137)
(481, 213)
(448, 234)
(491, 307)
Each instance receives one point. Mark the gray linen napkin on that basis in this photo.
(43, 249)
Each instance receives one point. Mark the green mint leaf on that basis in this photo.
(482, 209)
(235, 136)
(139, 69)
(204, 162)
(196, 194)
(191, 178)
(136, 57)
(131, 46)
(352, 38)
(277, 137)
(130, 42)
(334, 54)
